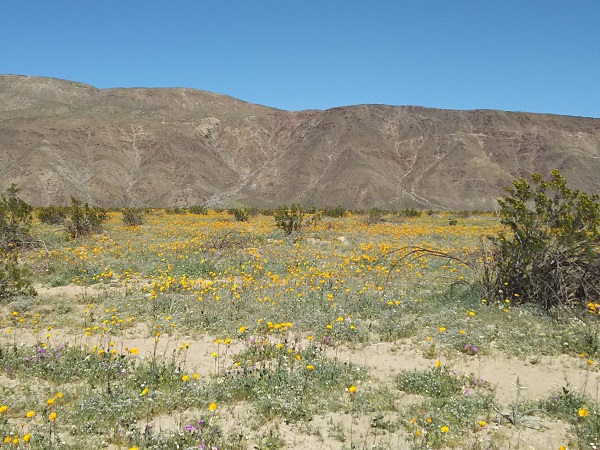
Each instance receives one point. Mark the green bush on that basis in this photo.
(15, 227)
(15, 220)
(289, 218)
(133, 216)
(375, 216)
(336, 211)
(83, 220)
(241, 215)
(14, 278)
(548, 254)
(175, 210)
(198, 209)
(52, 215)
(409, 212)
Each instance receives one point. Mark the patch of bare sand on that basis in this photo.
(537, 379)
(74, 291)
(335, 431)
(383, 361)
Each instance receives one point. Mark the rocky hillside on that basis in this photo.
(167, 147)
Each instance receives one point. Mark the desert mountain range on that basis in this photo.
(175, 147)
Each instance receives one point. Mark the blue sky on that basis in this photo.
(525, 55)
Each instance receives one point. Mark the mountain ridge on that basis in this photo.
(180, 146)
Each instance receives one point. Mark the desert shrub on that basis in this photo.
(314, 220)
(409, 212)
(548, 253)
(175, 210)
(133, 216)
(375, 215)
(101, 214)
(241, 215)
(336, 211)
(15, 227)
(52, 215)
(198, 209)
(14, 278)
(289, 218)
(226, 240)
(15, 220)
(83, 220)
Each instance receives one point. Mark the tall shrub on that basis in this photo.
(83, 220)
(549, 252)
(15, 219)
(15, 229)
(289, 218)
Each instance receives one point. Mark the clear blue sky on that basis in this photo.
(516, 55)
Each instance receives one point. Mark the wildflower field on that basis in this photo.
(197, 331)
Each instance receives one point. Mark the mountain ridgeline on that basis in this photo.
(175, 147)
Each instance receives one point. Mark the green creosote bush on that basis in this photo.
(336, 211)
(83, 220)
(548, 254)
(15, 220)
(375, 215)
(15, 227)
(198, 209)
(175, 210)
(133, 216)
(289, 218)
(52, 215)
(14, 278)
(241, 215)
(410, 212)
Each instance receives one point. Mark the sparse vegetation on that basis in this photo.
(198, 330)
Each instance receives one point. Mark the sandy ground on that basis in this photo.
(384, 361)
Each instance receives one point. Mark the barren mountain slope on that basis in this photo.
(158, 147)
